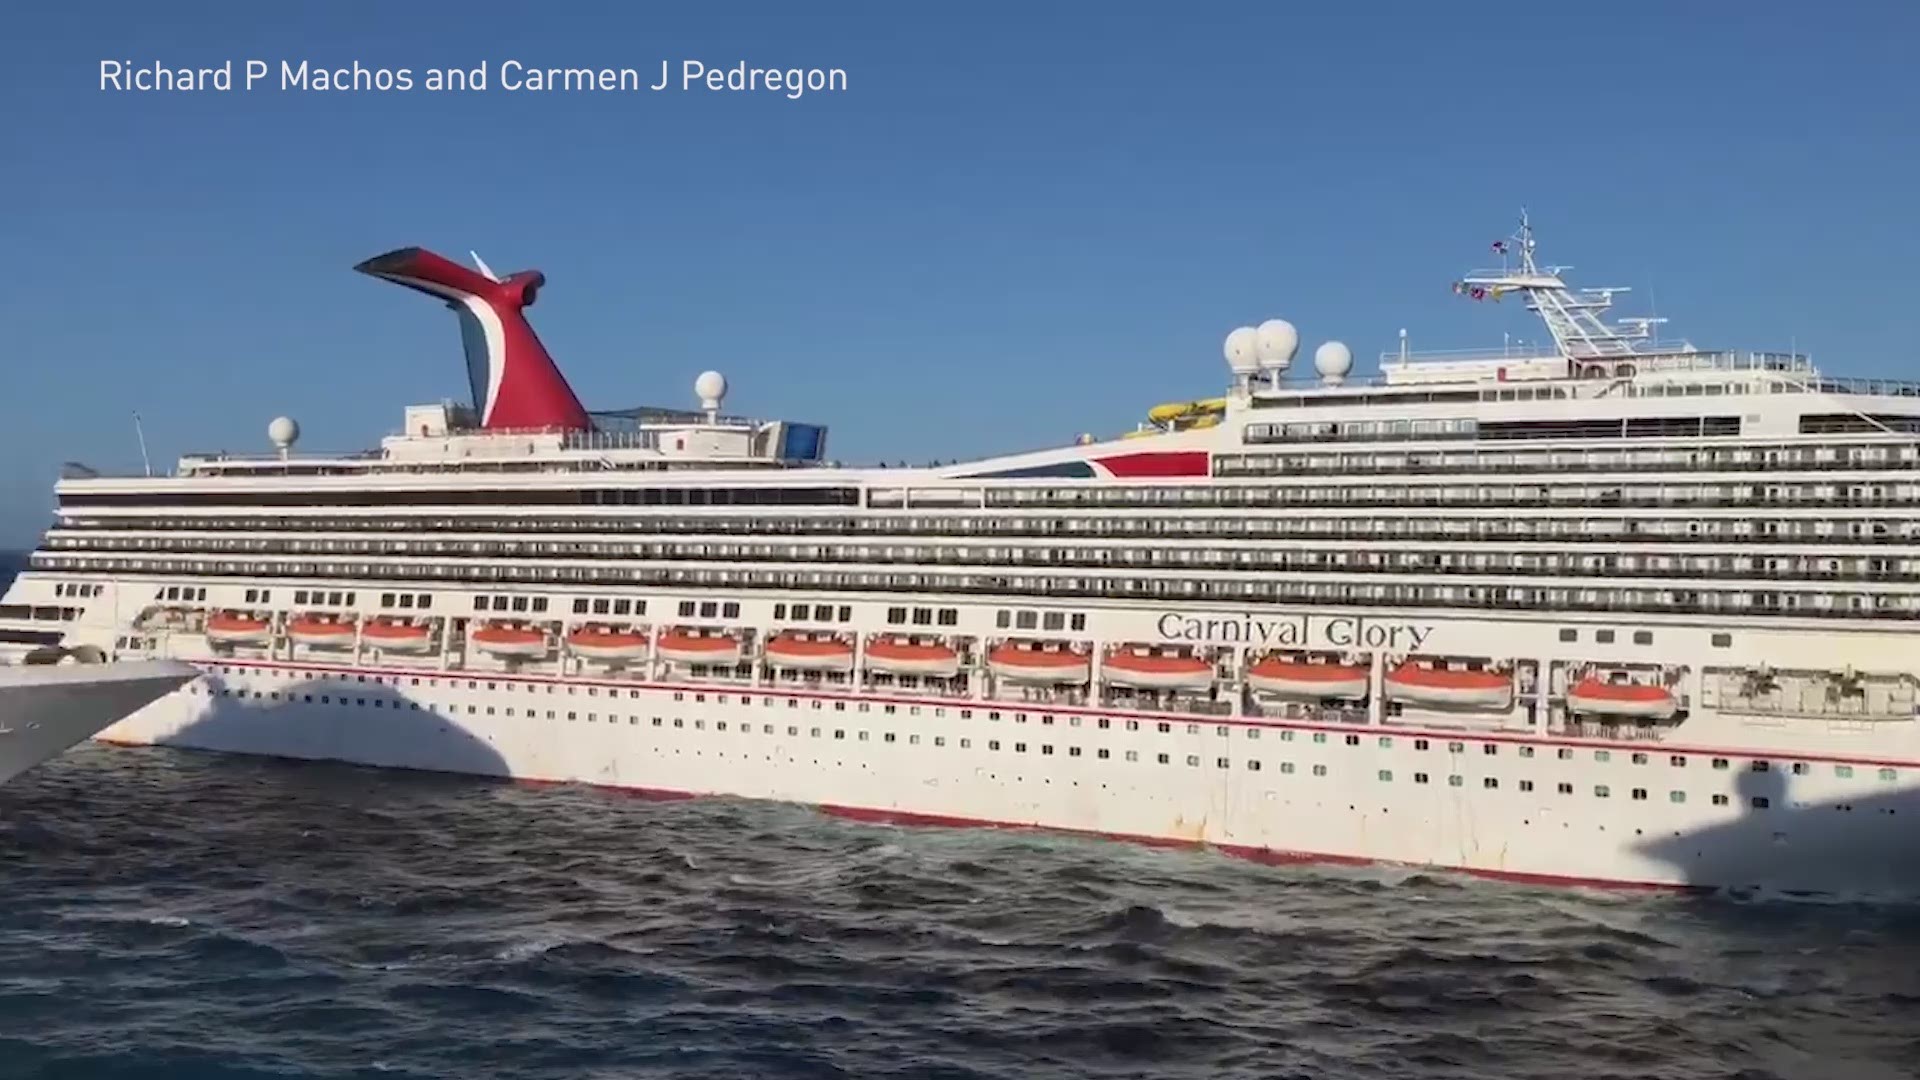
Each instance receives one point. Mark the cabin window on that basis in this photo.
(1643, 637)
(1567, 633)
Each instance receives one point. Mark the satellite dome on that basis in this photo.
(283, 431)
(1276, 342)
(1333, 361)
(710, 388)
(1243, 351)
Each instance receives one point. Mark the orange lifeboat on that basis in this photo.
(232, 628)
(1147, 670)
(391, 636)
(681, 647)
(1638, 701)
(320, 632)
(796, 653)
(903, 656)
(606, 643)
(1023, 663)
(510, 641)
(1314, 682)
(1418, 685)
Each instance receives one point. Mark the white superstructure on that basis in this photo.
(1610, 610)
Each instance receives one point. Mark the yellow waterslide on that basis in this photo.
(1173, 412)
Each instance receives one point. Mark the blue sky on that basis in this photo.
(1020, 222)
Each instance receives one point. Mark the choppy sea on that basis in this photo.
(173, 914)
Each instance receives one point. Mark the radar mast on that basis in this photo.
(1573, 316)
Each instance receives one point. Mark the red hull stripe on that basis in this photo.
(1615, 745)
(1156, 463)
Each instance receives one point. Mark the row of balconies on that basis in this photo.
(1881, 605)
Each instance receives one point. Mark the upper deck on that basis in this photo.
(1596, 380)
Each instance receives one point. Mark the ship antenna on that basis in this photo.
(141, 435)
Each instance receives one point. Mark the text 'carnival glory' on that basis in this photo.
(1607, 610)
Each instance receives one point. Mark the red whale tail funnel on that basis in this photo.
(515, 382)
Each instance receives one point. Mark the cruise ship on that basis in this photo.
(1603, 610)
(58, 699)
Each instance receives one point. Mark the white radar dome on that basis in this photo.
(1242, 350)
(1333, 360)
(1277, 342)
(283, 431)
(710, 388)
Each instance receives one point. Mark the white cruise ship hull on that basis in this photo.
(1321, 794)
(45, 709)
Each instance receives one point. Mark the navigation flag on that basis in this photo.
(1499, 247)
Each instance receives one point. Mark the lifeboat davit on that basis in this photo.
(1313, 682)
(1151, 671)
(795, 653)
(320, 633)
(1448, 687)
(1052, 666)
(231, 629)
(605, 643)
(511, 641)
(1636, 700)
(684, 648)
(396, 636)
(899, 656)
(172, 618)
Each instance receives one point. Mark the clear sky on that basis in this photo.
(1020, 222)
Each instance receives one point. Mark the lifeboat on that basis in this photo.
(795, 653)
(1418, 685)
(606, 643)
(1635, 700)
(320, 633)
(901, 656)
(396, 636)
(1024, 664)
(233, 629)
(1313, 682)
(510, 641)
(683, 648)
(1151, 671)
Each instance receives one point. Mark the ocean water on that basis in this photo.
(172, 914)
